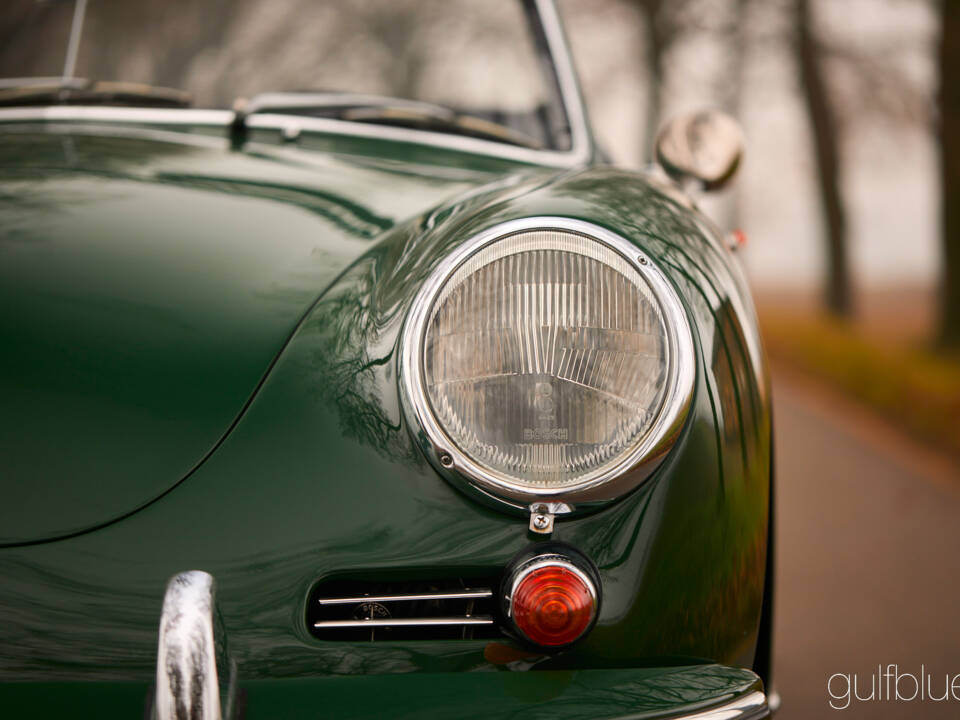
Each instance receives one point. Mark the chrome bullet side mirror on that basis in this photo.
(703, 147)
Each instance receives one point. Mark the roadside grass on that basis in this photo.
(912, 386)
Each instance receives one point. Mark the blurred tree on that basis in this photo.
(949, 100)
(658, 37)
(740, 39)
(664, 21)
(740, 33)
(823, 128)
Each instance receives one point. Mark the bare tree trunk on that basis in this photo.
(740, 37)
(823, 127)
(950, 171)
(655, 81)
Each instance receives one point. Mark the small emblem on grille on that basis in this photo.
(370, 611)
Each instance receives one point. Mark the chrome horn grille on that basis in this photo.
(361, 611)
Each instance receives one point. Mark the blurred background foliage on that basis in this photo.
(850, 190)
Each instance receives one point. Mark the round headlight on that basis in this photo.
(547, 359)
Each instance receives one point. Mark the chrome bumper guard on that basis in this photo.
(187, 685)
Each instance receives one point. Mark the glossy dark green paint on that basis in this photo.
(320, 474)
(553, 695)
(557, 695)
(145, 287)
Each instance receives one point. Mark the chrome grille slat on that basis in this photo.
(370, 609)
(405, 597)
(406, 622)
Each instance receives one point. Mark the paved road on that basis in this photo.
(869, 559)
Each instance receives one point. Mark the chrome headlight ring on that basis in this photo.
(627, 469)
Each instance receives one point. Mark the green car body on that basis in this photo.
(200, 372)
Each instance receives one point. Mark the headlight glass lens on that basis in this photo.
(545, 358)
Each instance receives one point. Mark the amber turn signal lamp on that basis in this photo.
(552, 602)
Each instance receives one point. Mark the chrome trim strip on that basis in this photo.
(406, 622)
(150, 116)
(187, 683)
(751, 706)
(606, 483)
(464, 595)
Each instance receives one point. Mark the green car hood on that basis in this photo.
(147, 282)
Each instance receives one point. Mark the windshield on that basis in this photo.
(479, 59)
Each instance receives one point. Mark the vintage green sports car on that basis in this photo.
(383, 398)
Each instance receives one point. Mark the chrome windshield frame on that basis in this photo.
(558, 51)
(555, 50)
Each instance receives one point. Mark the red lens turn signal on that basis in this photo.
(552, 602)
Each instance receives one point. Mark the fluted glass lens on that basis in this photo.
(545, 358)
